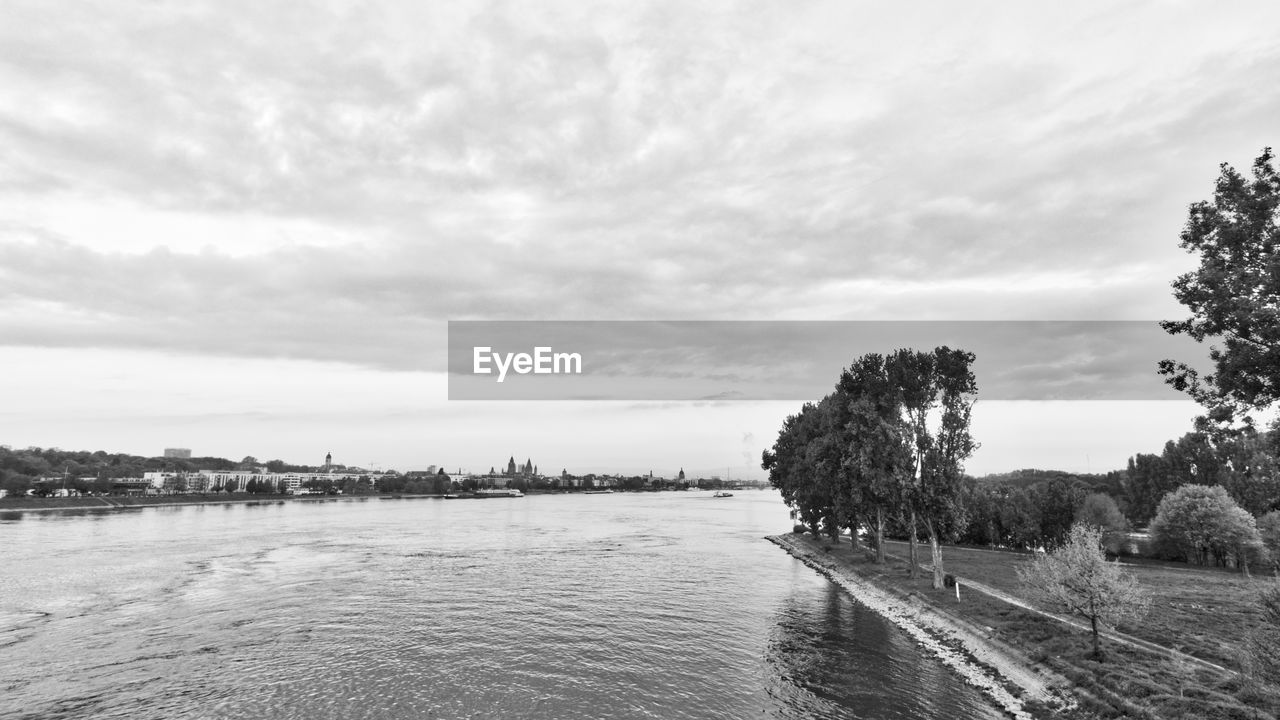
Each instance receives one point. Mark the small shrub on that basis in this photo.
(799, 529)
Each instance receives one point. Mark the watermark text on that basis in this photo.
(543, 361)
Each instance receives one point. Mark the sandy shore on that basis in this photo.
(997, 671)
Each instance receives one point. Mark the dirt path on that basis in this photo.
(1112, 635)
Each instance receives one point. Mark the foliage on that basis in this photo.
(1269, 533)
(1203, 524)
(1233, 296)
(1244, 463)
(1101, 511)
(887, 444)
(1077, 579)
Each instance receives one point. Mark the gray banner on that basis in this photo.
(781, 360)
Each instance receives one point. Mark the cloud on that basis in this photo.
(256, 180)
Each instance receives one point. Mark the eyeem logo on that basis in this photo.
(541, 362)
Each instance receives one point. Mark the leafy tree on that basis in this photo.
(870, 442)
(791, 468)
(1056, 501)
(1076, 578)
(1269, 532)
(1203, 524)
(1100, 511)
(938, 390)
(16, 484)
(1250, 472)
(1020, 518)
(1147, 480)
(1233, 296)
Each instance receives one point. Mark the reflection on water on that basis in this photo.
(628, 605)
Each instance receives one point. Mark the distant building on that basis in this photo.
(180, 453)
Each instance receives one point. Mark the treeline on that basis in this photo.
(87, 471)
(883, 453)
(884, 450)
(1244, 464)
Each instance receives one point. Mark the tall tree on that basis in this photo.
(1233, 296)
(938, 391)
(870, 442)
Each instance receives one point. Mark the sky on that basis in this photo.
(243, 227)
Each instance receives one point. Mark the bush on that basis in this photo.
(1203, 524)
(799, 529)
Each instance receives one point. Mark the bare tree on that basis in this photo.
(1077, 579)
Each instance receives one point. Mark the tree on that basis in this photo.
(1100, 511)
(1057, 501)
(1077, 579)
(1203, 524)
(1146, 481)
(937, 390)
(1269, 532)
(870, 442)
(1233, 296)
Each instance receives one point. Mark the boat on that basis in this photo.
(498, 493)
(721, 493)
(598, 492)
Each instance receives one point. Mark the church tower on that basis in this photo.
(328, 461)
(511, 466)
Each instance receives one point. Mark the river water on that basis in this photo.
(652, 605)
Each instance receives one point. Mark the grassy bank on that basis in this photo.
(1205, 614)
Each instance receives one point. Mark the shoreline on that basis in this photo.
(87, 503)
(1000, 672)
(125, 502)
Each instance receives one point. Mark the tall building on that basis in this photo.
(180, 453)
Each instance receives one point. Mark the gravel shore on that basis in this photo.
(1004, 678)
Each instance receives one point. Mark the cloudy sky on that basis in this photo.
(243, 227)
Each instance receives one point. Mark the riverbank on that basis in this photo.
(1182, 661)
(122, 502)
(1002, 674)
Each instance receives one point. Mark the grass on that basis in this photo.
(1205, 613)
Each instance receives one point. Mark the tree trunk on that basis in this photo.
(853, 537)
(913, 553)
(1097, 646)
(935, 550)
(879, 536)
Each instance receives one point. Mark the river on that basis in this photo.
(649, 605)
